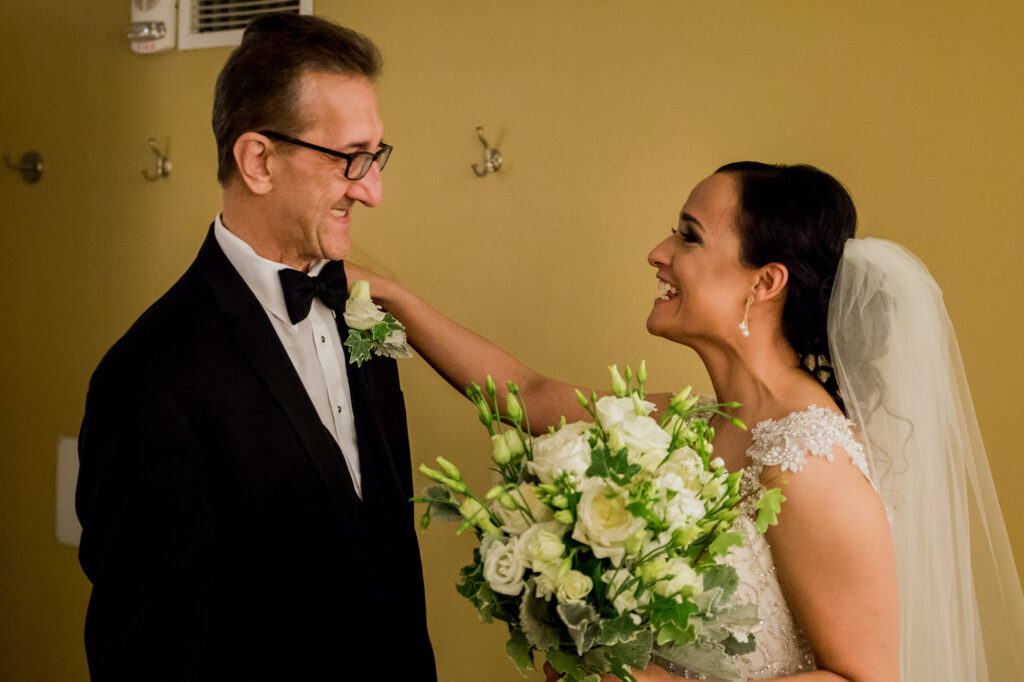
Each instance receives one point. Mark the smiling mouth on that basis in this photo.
(339, 213)
(666, 291)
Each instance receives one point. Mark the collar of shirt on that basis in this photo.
(260, 274)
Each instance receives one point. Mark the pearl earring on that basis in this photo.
(744, 328)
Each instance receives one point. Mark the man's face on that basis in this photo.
(313, 199)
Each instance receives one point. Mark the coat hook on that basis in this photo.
(492, 157)
(31, 166)
(163, 163)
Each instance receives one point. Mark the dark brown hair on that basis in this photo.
(801, 217)
(258, 88)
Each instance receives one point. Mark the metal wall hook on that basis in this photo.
(31, 166)
(492, 157)
(163, 164)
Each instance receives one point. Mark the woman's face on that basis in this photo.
(703, 287)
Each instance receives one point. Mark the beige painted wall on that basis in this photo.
(606, 116)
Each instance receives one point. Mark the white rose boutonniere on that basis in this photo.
(371, 330)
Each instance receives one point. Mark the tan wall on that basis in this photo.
(606, 114)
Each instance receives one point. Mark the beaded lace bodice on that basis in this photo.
(781, 647)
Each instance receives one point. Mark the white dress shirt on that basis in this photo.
(313, 345)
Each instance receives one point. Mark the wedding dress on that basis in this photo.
(901, 377)
(782, 649)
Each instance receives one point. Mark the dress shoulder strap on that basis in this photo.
(816, 430)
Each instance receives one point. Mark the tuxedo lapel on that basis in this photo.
(252, 332)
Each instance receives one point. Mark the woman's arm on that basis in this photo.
(461, 356)
(834, 557)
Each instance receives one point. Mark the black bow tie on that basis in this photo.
(330, 286)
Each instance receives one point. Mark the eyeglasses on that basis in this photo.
(358, 163)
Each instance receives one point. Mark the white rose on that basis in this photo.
(683, 576)
(646, 441)
(603, 522)
(503, 567)
(362, 313)
(541, 544)
(613, 411)
(573, 586)
(627, 600)
(568, 449)
(515, 521)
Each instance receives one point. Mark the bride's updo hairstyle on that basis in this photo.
(800, 217)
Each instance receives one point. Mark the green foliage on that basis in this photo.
(619, 629)
(720, 545)
(383, 329)
(615, 467)
(358, 344)
(671, 619)
(519, 650)
(582, 623)
(768, 508)
(721, 576)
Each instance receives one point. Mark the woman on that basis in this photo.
(746, 281)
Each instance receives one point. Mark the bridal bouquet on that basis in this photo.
(601, 545)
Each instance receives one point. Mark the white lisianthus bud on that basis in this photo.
(475, 513)
(615, 442)
(514, 442)
(565, 516)
(360, 290)
(717, 463)
(679, 398)
(499, 449)
(652, 570)
(515, 410)
(619, 386)
(573, 586)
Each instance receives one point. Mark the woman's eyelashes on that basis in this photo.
(688, 235)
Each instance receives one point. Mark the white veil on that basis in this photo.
(899, 371)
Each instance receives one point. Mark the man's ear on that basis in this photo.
(252, 154)
(771, 282)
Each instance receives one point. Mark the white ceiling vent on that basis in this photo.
(212, 23)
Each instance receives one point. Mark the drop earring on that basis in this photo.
(744, 327)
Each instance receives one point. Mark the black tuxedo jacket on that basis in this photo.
(220, 527)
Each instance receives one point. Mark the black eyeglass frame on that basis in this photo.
(380, 156)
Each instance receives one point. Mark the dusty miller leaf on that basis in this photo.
(582, 622)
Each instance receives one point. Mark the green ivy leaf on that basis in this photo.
(619, 629)
(358, 344)
(566, 663)
(768, 508)
(615, 467)
(519, 650)
(383, 329)
(720, 545)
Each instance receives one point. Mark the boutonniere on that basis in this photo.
(371, 330)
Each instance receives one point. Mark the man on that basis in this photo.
(243, 489)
